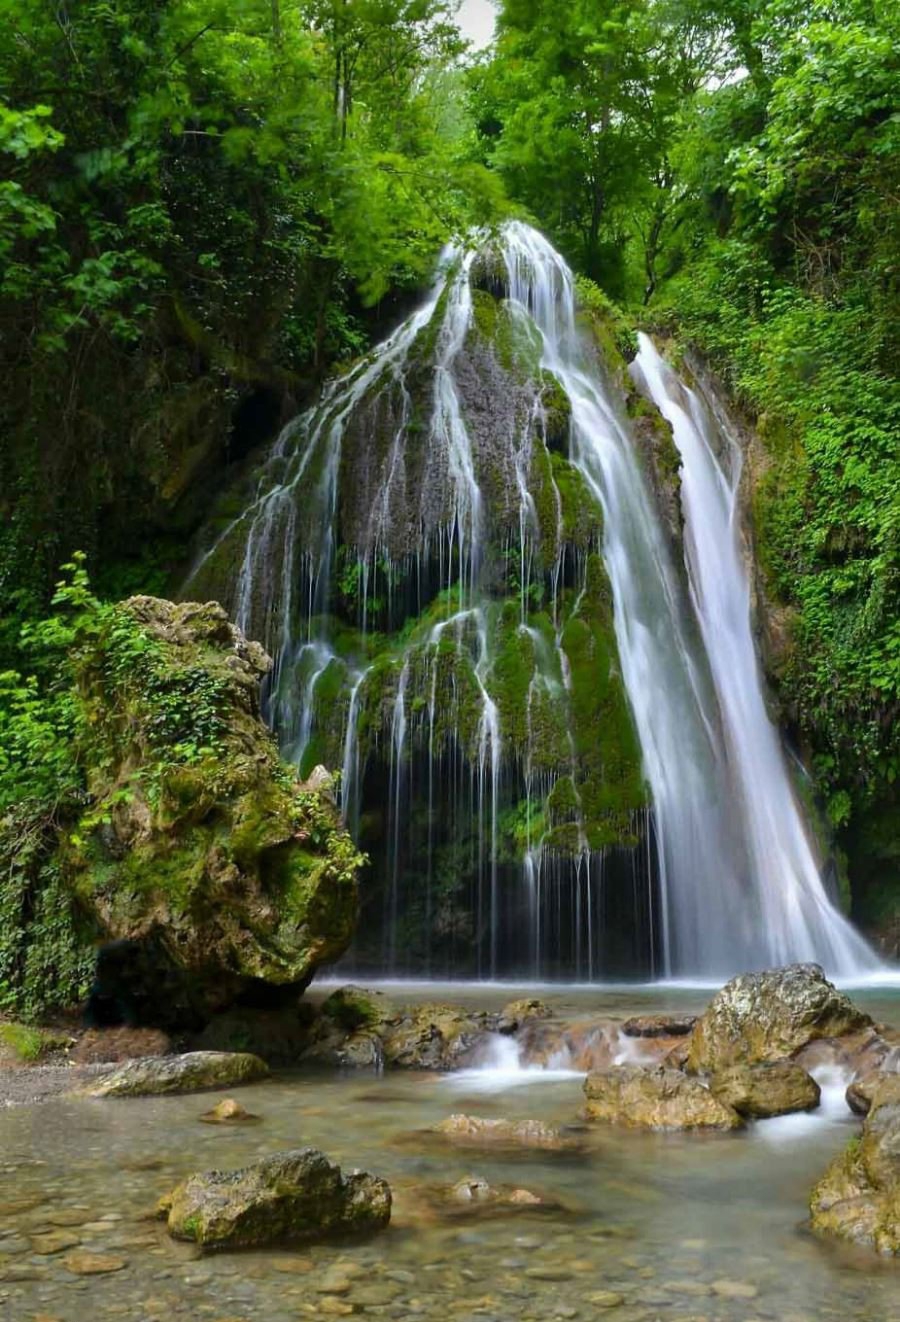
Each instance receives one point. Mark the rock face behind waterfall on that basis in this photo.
(206, 867)
(424, 555)
(769, 1016)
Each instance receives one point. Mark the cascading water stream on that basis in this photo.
(410, 699)
(793, 913)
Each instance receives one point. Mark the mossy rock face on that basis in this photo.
(291, 1197)
(199, 854)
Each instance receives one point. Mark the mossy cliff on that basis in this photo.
(176, 831)
(451, 638)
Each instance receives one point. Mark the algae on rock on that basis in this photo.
(192, 848)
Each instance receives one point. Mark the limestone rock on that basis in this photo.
(862, 1093)
(229, 1112)
(480, 1132)
(659, 1025)
(93, 1264)
(516, 1013)
(209, 868)
(436, 1037)
(655, 1099)
(772, 1088)
(769, 1016)
(858, 1198)
(192, 1072)
(291, 1197)
(352, 1008)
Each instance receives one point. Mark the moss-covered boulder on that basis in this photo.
(772, 1088)
(770, 1016)
(655, 1099)
(292, 1197)
(190, 853)
(858, 1198)
(154, 1076)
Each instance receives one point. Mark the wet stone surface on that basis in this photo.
(675, 1227)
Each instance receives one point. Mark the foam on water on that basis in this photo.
(501, 1066)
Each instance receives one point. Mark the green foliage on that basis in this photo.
(199, 199)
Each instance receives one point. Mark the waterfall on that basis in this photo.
(791, 917)
(474, 610)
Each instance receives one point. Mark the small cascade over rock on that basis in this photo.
(458, 562)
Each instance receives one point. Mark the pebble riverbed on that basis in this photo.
(673, 1227)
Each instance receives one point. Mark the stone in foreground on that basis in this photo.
(291, 1197)
(773, 1088)
(193, 1072)
(655, 1099)
(769, 1016)
(858, 1198)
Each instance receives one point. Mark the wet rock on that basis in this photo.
(54, 1241)
(297, 1197)
(858, 1198)
(111, 1045)
(93, 1264)
(354, 1008)
(229, 1112)
(727, 1289)
(179, 1074)
(517, 1013)
(659, 1025)
(480, 1132)
(655, 1099)
(861, 1093)
(773, 1088)
(605, 1299)
(433, 1037)
(769, 1016)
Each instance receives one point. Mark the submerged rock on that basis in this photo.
(229, 1112)
(772, 1088)
(291, 1197)
(769, 1016)
(192, 1072)
(858, 1198)
(480, 1132)
(655, 1099)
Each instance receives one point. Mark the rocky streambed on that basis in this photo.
(521, 1209)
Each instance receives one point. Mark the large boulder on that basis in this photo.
(292, 1197)
(195, 858)
(770, 1016)
(193, 1072)
(655, 1099)
(773, 1088)
(858, 1198)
